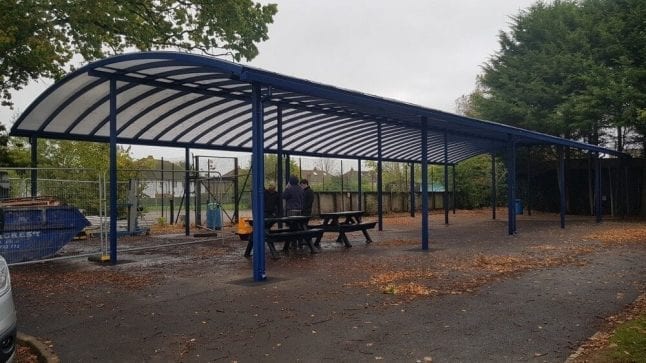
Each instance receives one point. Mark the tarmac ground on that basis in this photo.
(477, 294)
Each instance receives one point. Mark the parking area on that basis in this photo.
(476, 295)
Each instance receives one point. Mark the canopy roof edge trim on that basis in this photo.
(185, 100)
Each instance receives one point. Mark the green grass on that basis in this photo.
(628, 343)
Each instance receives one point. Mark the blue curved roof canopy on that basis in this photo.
(186, 100)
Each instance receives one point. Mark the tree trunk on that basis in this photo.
(643, 188)
(620, 139)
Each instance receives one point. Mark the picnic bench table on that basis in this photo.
(342, 223)
(296, 232)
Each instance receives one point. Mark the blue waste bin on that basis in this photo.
(519, 206)
(213, 216)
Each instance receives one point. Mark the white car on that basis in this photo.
(7, 316)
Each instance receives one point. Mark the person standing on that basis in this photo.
(272, 199)
(293, 196)
(308, 197)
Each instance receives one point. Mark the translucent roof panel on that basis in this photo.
(186, 100)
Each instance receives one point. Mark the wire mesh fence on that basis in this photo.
(43, 210)
(64, 213)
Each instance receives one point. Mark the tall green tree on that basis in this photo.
(617, 30)
(569, 68)
(13, 151)
(71, 170)
(39, 38)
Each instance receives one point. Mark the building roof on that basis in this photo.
(185, 100)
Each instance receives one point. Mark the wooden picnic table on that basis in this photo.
(343, 222)
(296, 232)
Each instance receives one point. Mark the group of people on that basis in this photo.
(298, 197)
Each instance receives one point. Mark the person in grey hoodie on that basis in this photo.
(293, 195)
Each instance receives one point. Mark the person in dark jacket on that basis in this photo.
(272, 199)
(308, 197)
(293, 196)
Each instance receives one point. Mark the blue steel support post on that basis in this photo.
(494, 187)
(445, 195)
(360, 190)
(342, 190)
(187, 191)
(279, 157)
(528, 200)
(424, 185)
(561, 177)
(412, 189)
(34, 165)
(235, 189)
(380, 206)
(113, 171)
(257, 190)
(597, 188)
(511, 184)
(453, 189)
(162, 185)
(626, 187)
(287, 169)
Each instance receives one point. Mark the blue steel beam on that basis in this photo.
(561, 180)
(445, 195)
(380, 208)
(424, 147)
(279, 158)
(113, 171)
(257, 190)
(453, 189)
(597, 189)
(360, 189)
(412, 189)
(187, 191)
(528, 200)
(511, 185)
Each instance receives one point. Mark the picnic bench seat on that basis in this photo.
(279, 230)
(287, 236)
(343, 228)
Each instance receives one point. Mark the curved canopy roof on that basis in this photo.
(186, 100)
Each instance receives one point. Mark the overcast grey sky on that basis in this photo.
(426, 52)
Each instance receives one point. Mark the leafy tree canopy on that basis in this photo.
(569, 68)
(88, 159)
(39, 38)
(13, 153)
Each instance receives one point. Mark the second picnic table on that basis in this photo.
(343, 222)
